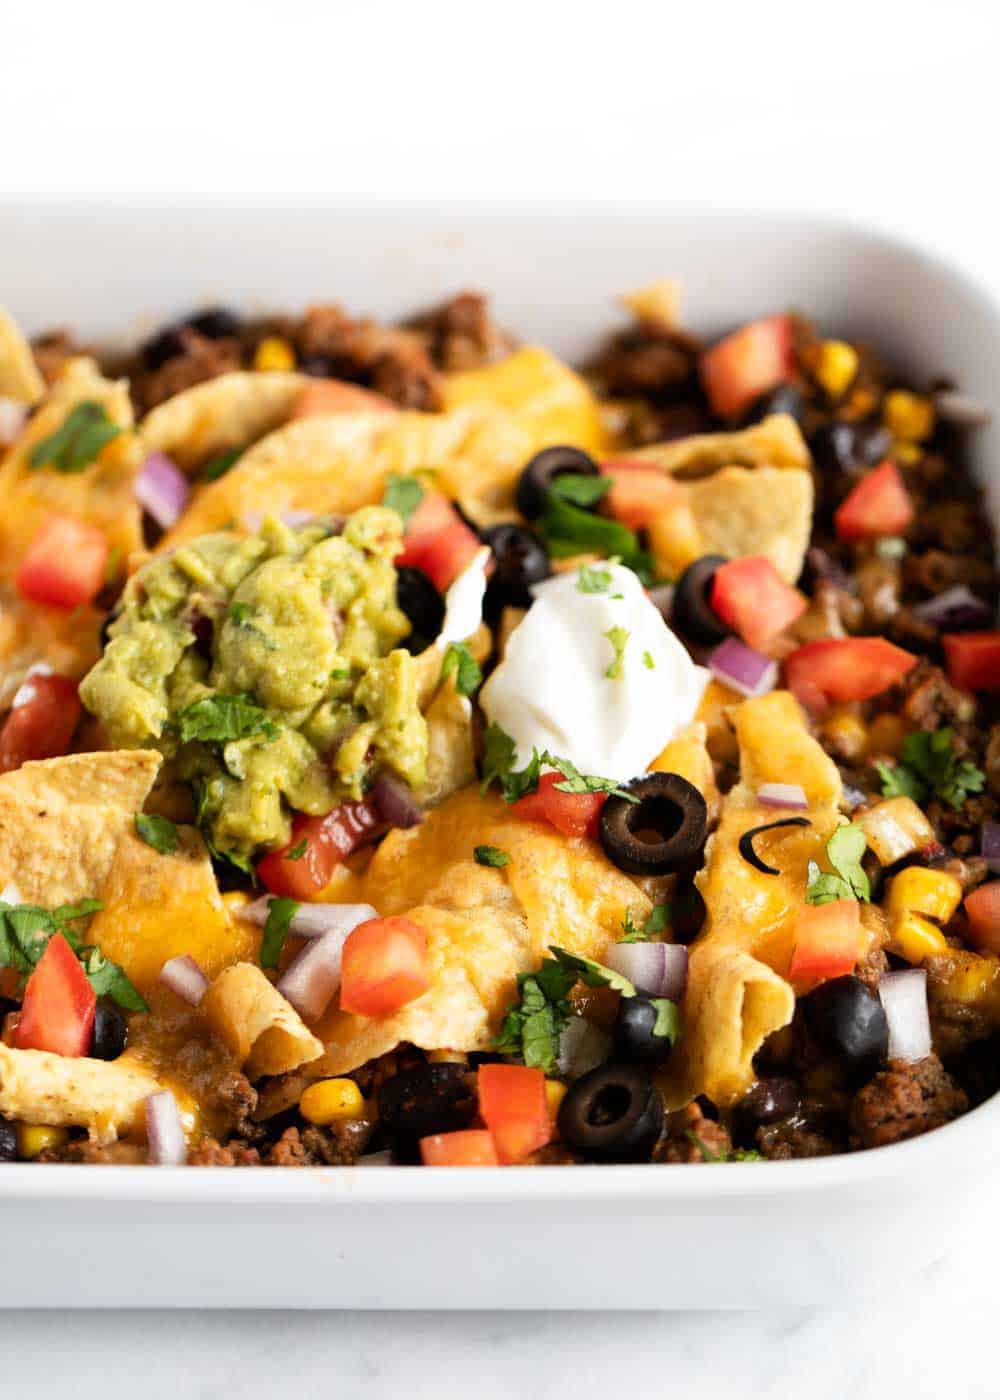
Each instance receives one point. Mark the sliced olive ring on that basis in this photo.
(747, 848)
(692, 615)
(612, 1114)
(521, 562)
(535, 481)
(661, 831)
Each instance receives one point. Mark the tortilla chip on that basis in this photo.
(107, 1097)
(451, 758)
(231, 411)
(157, 907)
(776, 442)
(737, 991)
(659, 302)
(261, 1028)
(687, 754)
(20, 377)
(62, 819)
(764, 511)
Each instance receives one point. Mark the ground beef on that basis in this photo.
(872, 966)
(110, 1154)
(929, 700)
(52, 350)
(461, 333)
(650, 360)
(799, 1135)
(878, 583)
(691, 1137)
(201, 359)
(904, 1100)
(237, 1098)
(235, 1153)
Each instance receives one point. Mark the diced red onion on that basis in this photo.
(314, 976)
(254, 519)
(744, 669)
(395, 801)
(184, 978)
(956, 609)
(162, 489)
(790, 795)
(582, 1047)
(656, 969)
(26, 692)
(313, 920)
(904, 996)
(13, 416)
(960, 409)
(990, 848)
(165, 1131)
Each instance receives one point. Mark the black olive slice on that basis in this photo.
(521, 562)
(692, 615)
(534, 482)
(612, 1114)
(417, 597)
(662, 831)
(746, 842)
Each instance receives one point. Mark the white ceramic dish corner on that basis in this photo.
(614, 1237)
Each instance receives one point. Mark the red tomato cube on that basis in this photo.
(57, 1013)
(65, 564)
(983, 909)
(513, 1106)
(640, 492)
(473, 1147)
(327, 841)
(827, 942)
(879, 505)
(973, 659)
(747, 364)
(751, 597)
(572, 813)
(845, 668)
(437, 541)
(385, 966)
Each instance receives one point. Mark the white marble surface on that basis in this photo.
(883, 112)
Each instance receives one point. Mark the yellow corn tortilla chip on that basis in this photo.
(107, 1097)
(451, 758)
(776, 442)
(737, 993)
(687, 754)
(767, 511)
(62, 819)
(230, 411)
(261, 1028)
(20, 377)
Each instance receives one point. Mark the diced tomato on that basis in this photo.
(751, 596)
(65, 563)
(327, 840)
(58, 1009)
(973, 659)
(513, 1106)
(640, 492)
(845, 668)
(322, 396)
(472, 1147)
(384, 966)
(748, 363)
(437, 541)
(879, 505)
(42, 722)
(827, 942)
(572, 813)
(983, 909)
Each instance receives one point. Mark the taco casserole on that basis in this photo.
(416, 750)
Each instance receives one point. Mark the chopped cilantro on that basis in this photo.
(647, 661)
(532, 1027)
(491, 855)
(459, 659)
(618, 637)
(238, 613)
(669, 1023)
(280, 913)
(593, 578)
(158, 832)
(25, 930)
(580, 490)
(218, 466)
(929, 767)
(297, 851)
(403, 494)
(498, 754)
(577, 782)
(735, 1154)
(844, 849)
(340, 674)
(218, 719)
(498, 759)
(656, 921)
(108, 980)
(593, 974)
(78, 442)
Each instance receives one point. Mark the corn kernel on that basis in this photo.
(908, 416)
(885, 734)
(33, 1138)
(836, 367)
(332, 1100)
(907, 454)
(554, 1095)
(274, 353)
(918, 890)
(847, 731)
(914, 938)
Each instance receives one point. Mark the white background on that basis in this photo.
(883, 111)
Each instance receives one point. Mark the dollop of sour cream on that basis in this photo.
(553, 689)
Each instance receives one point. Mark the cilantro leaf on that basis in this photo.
(403, 494)
(25, 931)
(593, 974)
(297, 851)
(532, 1027)
(218, 719)
(657, 920)
(618, 637)
(459, 659)
(218, 466)
(491, 855)
(580, 490)
(575, 781)
(280, 913)
(108, 980)
(929, 767)
(593, 578)
(238, 613)
(85, 430)
(158, 832)
(498, 754)
(499, 750)
(669, 1023)
(647, 661)
(845, 849)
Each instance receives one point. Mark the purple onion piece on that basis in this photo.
(655, 969)
(395, 801)
(956, 610)
(165, 1131)
(582, 1047)
(746, 670)
(313, 920)
(162, 489)
(790, 795)
(184, 978)
(990, 848)
(313, 977)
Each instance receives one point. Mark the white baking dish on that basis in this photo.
(602, 1237)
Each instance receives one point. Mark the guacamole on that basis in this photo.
(265, 669)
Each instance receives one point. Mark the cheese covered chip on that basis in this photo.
(263, 1030)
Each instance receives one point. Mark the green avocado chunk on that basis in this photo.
(265, 668)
